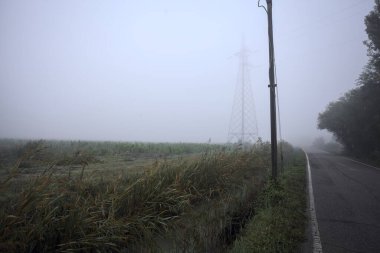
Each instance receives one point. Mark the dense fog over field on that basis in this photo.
(165, 71)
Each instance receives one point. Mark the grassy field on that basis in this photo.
(127, 197)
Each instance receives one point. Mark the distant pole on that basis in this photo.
(272, 88)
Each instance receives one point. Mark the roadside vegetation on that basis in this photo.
(196, 202)
(355, 118)
(280, 219)
(64, 152)
(182, 203)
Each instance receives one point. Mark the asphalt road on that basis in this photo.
(347, 203)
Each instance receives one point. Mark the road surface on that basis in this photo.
(347, 203)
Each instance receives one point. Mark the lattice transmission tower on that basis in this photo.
(243, 124)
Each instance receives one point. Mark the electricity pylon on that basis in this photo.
(243, 124)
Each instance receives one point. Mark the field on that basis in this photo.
(128, 197)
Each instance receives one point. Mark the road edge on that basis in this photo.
(317, 244)
(367, 165)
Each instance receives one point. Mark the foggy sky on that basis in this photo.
(165, 70)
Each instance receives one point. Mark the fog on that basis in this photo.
(165, 71)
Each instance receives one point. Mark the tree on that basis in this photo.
(355, 118)
(372, 22)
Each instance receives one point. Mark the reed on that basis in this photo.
(190, 204)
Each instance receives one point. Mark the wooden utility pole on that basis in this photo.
(272, 88)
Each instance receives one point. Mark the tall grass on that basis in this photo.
(14, 147)
(186, 205)
(279, 223)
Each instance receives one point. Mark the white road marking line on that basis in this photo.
(370, 166)
(317, 244)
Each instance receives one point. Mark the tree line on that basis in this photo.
(354, 119)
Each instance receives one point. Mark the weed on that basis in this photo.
(279, 223)
(197, 199)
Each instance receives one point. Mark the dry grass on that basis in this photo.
(190, 204)
(279, 223)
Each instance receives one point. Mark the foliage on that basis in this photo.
(67, 153)
(355, 118)
(372, 22)
(279, 223)
(133, 213)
